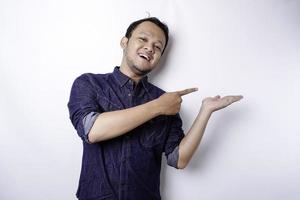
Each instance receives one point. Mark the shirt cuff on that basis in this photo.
(88, 122)
(172, 158)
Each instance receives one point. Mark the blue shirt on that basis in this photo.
(128, 166)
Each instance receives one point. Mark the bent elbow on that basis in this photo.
(181, 164)
(93, 138)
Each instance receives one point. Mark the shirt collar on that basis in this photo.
(122, 79)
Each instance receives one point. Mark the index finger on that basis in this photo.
(187, 91)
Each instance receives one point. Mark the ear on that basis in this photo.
(124, 42)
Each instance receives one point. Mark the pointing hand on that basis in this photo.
(170, 102)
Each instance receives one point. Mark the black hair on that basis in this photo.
(154, 20)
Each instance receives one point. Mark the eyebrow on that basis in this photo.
(150, 35)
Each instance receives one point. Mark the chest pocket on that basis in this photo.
(153, 133)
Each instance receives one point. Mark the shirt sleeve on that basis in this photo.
(174, 138)
(172, 158)
(88, 121)
(83, 102)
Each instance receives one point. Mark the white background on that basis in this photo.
(250, 150)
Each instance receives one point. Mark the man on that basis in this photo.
(126, 123)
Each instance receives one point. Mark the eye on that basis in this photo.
(158, 47)
(142, 39)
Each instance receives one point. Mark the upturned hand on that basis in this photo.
(216, 103)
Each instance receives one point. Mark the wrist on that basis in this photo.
(155, 108)
(205, 110)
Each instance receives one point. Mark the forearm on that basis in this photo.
(190, 142)
(112, 124)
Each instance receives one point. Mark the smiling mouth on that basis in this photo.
(144, 56)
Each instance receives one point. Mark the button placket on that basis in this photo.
(126, 144)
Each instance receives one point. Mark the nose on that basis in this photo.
(149, 48)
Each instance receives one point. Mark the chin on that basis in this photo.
(141, 71)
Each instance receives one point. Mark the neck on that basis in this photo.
(128, 72)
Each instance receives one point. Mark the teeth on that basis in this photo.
(144, 56)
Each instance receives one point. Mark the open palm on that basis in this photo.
(217, 103)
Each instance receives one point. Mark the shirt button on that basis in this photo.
(129, 94)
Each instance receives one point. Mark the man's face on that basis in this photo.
(144, 48)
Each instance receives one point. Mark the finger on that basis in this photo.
(187, 91)
(236, 98)
(231, 99)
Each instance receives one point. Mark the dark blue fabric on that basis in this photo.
(128, 166)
